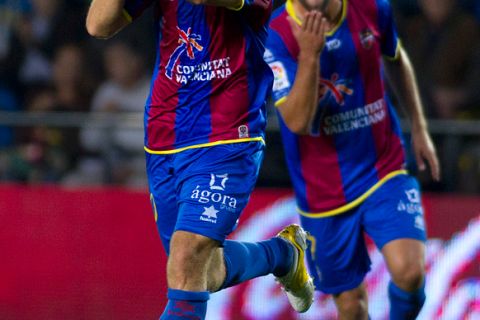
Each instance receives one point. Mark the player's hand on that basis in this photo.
(311, 34)
(425, 150)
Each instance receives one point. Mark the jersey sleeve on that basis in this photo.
(390, 43)
(257, 11)
(134, 8)
(283, 67)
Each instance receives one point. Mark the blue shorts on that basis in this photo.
(338, 256)
(202, 190)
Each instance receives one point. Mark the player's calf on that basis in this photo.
(189, 258)
(188, 261)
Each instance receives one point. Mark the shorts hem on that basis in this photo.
(211, 235)
(421, 238)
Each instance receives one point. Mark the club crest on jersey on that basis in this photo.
(243, 131)
(187, 42)
(367, 38)
(334, 87)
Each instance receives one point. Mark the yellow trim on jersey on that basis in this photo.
(291, 12)
(239, 8)
(355, 202)
(280, 101)
(397, 53)
(127, 16)
(203, 145)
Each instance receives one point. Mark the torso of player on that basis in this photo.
(200, 88)
(354, 140)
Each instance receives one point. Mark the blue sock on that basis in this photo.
(405, 305)
(248, 260)
(185, 305)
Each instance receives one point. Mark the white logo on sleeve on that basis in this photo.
(209, 214)
(280, 81)
(218, 181)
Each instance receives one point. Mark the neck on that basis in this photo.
(332, 11)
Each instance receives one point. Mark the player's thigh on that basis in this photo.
(214, 186)
(395, 212)
(338, 257)
(161, 184)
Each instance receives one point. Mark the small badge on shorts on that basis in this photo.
(218, 181)
(413, 204)
(243, 131)
(413, 195)
(419, 223)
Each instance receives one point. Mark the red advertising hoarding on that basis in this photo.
(95, 254)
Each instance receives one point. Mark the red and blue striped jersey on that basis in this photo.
(355, 144)
(210, 82)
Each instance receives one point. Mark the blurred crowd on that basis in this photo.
(49, 63)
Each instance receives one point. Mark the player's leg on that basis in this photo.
(164, 203)
(338, 259)
(200, 267)
(213, 186)
(203, 264)
(406, 264)
(187, 265)
(394, 220)
(352, 304)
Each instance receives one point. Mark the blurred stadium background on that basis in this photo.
(77, 238)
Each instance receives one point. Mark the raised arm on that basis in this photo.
(298, 109)
(401, 76)
(106, 17)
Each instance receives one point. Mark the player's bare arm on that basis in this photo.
(298, 110)
(105, 18)
(401, 76)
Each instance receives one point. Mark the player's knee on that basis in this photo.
(353, 304)
(409, 276)
(354, 308)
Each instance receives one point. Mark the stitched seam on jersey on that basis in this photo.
(355, 202)
(204, 145)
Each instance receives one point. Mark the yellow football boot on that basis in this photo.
(297, 283)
